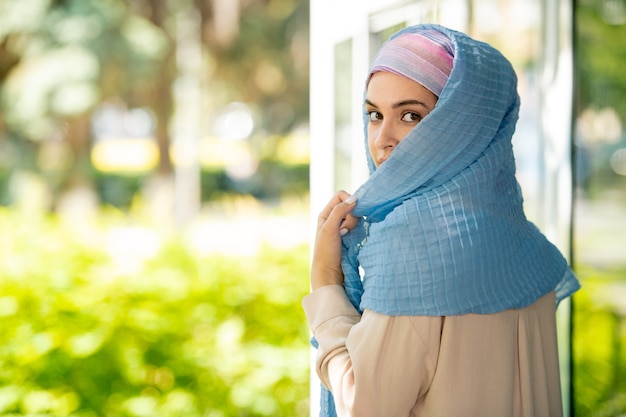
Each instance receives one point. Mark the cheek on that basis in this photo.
(373, 154)
(404, 132)
(371, 138)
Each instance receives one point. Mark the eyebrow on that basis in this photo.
(402, 103)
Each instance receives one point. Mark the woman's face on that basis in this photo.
(394, 104)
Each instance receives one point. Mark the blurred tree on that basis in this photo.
(600, 107)
(60, 60)
(155, 91)
(261, 49)
(74, 55)
(601, 52)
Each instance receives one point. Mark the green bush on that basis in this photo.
(174, 334)
(598, 340)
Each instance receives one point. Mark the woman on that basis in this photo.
(432, 294)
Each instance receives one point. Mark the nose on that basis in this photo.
(386, 137)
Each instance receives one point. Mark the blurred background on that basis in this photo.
(160, 163)
(154, 103)
(154, 165)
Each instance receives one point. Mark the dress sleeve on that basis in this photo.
(373, 364)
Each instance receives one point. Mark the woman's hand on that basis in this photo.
(332, 223)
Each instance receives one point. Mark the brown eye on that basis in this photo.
(411, 117)
(374, 116)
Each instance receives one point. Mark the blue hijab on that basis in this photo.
(442, 229)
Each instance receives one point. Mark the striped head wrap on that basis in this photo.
(425, 57)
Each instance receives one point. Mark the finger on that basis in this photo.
(339, 214)
(339, 197)
(343, 196)
(349, 222)
(336, 199)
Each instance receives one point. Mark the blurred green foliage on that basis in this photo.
(273, 180)
(600, 77)
(177, 334)
(600, 83)
(599, 311)
(599, 344)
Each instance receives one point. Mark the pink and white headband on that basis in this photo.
(426, 58)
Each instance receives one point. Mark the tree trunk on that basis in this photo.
(161, 100)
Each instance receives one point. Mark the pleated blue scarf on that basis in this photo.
(442, 229)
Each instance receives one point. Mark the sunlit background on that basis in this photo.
(154, 191)
(154, 162)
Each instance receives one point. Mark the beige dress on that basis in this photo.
(499, 365)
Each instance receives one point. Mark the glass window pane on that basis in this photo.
(343, 114)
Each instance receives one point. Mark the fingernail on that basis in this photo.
(342, 232)
(350, 200)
